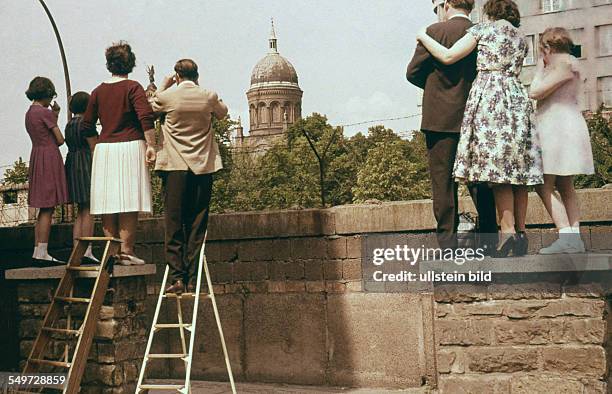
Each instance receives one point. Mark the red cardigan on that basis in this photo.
(123, 110)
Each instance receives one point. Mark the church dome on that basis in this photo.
(273, 68)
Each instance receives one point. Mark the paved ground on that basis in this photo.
(258, 388)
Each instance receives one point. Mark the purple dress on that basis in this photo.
(47, 179)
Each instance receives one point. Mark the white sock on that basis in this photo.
(43, 253)
(575, 230)
(35, 254)
(566, 230)
(88, 253)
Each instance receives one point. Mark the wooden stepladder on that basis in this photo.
(186, 350)
(65, 322)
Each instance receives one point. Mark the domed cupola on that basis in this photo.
(275, 98)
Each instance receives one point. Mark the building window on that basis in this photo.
(604, 40)
(577, 36)
(604, 87)
(9, 197)
(551, 5)
(530, 59)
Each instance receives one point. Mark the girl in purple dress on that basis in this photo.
(47, 180)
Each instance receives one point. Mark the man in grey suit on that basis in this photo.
(446, 89)
(187, 160)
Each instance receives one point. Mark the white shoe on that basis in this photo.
(563, 246)
(126, 259)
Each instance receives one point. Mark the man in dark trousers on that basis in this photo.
(187, 161)
(446, 89)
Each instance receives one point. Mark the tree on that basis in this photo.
(17, 174)
(601, 142)
(387, 174)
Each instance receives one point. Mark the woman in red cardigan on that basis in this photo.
(120, 183)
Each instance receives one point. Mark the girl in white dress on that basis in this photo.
(564, 137)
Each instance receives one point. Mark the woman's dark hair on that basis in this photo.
(41, 88)
(78, 102)
(503, 9)
(120, 60)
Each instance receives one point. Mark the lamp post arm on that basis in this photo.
(63, 54)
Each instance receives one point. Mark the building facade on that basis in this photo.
(589, 23)
(275, 100)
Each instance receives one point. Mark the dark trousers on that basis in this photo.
(186, 208)
(442, 149)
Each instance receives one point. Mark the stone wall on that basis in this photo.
(118, 347)
(294, 309)
(548, 339)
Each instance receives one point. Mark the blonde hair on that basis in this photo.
(557, 39)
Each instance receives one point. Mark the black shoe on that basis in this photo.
(504, 249)
(41, 263)
(522, 244)
(177, 287)
(89, 261)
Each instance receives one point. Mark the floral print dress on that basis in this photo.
(498, 142)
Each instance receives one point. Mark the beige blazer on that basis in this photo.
(188, 141)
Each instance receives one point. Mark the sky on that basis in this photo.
(350, 55)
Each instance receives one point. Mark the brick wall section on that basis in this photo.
(118, 347)
(544, 340)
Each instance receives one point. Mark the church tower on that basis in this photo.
(275, 98)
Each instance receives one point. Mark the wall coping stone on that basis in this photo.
(527, 264)
(119, 271)
(402, 216)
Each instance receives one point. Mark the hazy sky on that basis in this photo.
(350, 55)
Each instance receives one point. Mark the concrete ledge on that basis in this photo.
(527, 264)
(119, 271)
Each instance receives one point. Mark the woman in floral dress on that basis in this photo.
(498, 142)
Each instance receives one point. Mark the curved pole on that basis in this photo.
(63, 54)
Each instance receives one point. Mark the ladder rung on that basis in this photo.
(84, 268)
(50, 362)
(74, 299)
(61, 331)
(162, 386)
(173, 325)
(99, 239)
(183, 295)
(170, 355)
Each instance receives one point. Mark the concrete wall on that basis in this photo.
(294, 310)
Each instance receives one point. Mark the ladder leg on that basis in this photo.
(152, 332)
(216, 311)
(179, 310)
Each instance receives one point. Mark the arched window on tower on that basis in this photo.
(277, 116)
(253, 115)
(262, 113)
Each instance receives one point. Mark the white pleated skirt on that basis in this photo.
(120, 180)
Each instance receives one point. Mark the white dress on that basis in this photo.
(564, 135)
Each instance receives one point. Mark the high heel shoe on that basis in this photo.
(522, 244)
(504, 249)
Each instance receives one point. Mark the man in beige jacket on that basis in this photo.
(186, 162)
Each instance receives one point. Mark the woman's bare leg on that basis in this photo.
(43, 225)
(565, 186)
(552, 203)
(521, 199)
(110, 225)
(128, 222)
(504, 203)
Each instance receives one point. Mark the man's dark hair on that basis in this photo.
(120, 60)
(466, 5)
(41, 88)
(503, 9)
(78, 102)
(187, 69)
